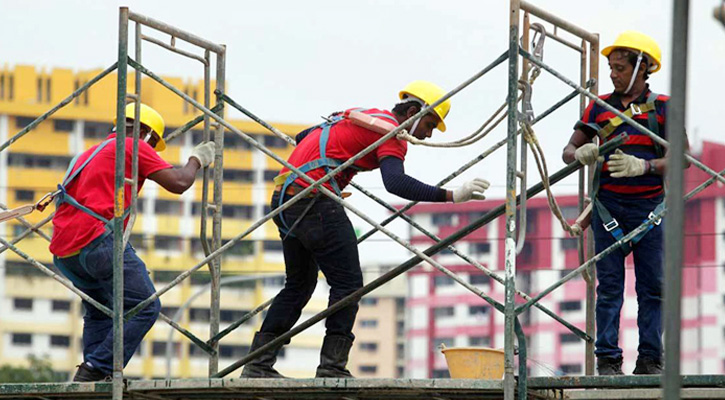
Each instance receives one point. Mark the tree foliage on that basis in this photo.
(39, 370)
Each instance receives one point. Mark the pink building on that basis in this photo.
(443, 312)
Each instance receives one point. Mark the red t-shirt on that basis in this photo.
(345, 140)
(73, 229)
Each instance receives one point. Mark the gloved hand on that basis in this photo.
(204, 153)
(624, 165)
(587, 154)
(471, 190)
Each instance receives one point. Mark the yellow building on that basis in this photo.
(39, 316)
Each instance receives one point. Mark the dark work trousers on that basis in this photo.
(325, 240)
(648, 264)
(91, 271)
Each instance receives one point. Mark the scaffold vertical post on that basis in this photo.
(590, 250)
(118, 205)
(217, 218)
(510, 209)
(675, 201)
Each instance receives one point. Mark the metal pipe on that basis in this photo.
(673, 245)
(27, 232)
(521, 240)
(136, 132)
(592, 271)
(216, 266)
(118, 204)
(236, 324)
(27, 224)
(58, 106)
(203, 345)
(523, 373)
(417, 226)
(629, 120)
(187, 126)
(565, 42)
(589, 279)
(560, 22)
(176, 32)
(410, 263)
(63, 281)
(509, 379)
(173, 49)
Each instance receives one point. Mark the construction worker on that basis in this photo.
(628, 188)
(317, 234)
(82, 243)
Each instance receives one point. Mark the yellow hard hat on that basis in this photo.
(150, 118)
(429, 93)
(638, 41)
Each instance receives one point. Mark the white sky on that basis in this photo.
(293, 61)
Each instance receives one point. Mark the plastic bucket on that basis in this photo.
(474, 362)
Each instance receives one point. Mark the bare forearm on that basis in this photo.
(568, 154)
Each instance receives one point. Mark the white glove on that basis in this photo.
(471, 190)
(587, 154)
(204, 153)
(622, 165)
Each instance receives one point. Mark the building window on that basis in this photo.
(277, 281)
(274, 142)
(59, 341)
(63, 125)
(138, 241)
(39, 92)
(439, 312)
(96, 130)
(568, 338)
(369, 301)
(158, 349)
(237, 211)
(440, 374)
(232, 351)
(478, 310)
(572, 305)
(21, 160)
(244, 248)
(443, 341)
(22, 339)
(232, 315)
(479, 279)
(368, 346)
(168, 207)
(199, 315)
(196, 209)
(47, 90)
(23, 304)
(24, 195)
(238, 175)
(60, 305)
(569, 243)
(442, 219)
(368, 323)
(569, 369)
(270, 174)
(22, 122)
(442, 280)
(11, 87)
(481, 341)
(2, 86)
(368, 369)
(168, 243)
(272, 245)
(480, 248)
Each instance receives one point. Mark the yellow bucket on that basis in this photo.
(474, 362)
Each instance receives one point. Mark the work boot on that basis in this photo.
(86, 373)
(262, 366)
(333, 357)
(648, 366)
(609, 366)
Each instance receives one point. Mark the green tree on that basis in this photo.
(40, 370)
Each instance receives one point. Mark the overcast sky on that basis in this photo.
(292, 61)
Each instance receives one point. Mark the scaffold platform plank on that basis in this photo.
(638, 387)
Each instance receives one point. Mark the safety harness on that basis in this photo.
(324, 162)
(610, 224)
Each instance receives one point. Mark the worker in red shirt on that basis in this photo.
(317, 234)
(82, 243)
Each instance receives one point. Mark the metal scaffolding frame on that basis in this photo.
(532, 64)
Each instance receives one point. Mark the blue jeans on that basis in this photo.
(648, 264)
(325, 240)
(91, 271)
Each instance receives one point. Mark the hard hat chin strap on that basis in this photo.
(409, 98)
(634, 73)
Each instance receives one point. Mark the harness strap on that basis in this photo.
(634, 109)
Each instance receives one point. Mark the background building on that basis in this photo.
(39, 316)
(439, 311)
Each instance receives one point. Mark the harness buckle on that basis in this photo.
(636, 110)
(652, 216)
(611, 225)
